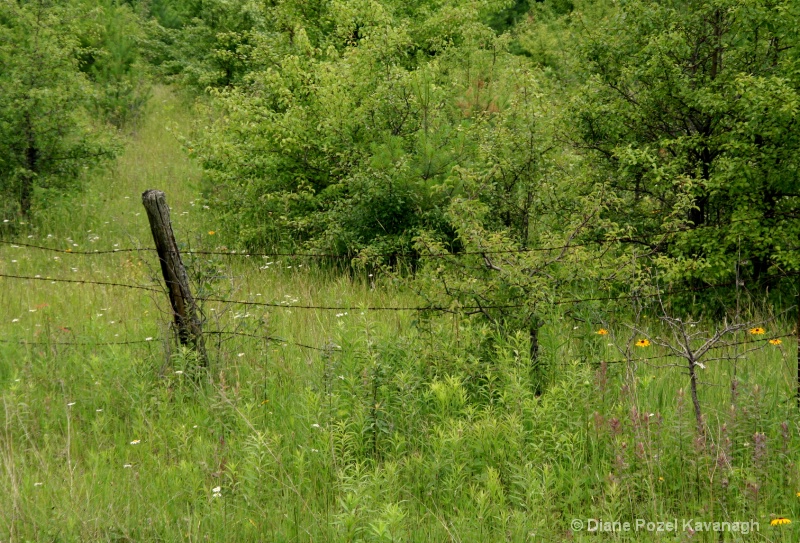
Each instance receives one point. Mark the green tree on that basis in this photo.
(47, 137)
(110, 38)
(519, 212)
(342, 139)
(691, 120)
(207, 43)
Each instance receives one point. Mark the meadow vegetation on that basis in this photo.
(534, 218)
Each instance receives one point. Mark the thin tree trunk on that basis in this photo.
(29, 178)
(797, 331)
(533, 332)
(698, 415)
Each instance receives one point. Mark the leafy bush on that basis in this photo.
(690, 117)
(111, 36)
(47, 135)
(354, 143)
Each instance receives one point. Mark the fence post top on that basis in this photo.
(152, 194)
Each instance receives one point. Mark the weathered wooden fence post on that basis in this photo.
(183, 305)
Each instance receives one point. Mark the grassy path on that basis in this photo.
(153, 158)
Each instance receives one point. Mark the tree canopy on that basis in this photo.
(690, 117)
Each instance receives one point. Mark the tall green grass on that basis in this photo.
(396, 427)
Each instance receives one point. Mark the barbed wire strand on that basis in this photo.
(17, 244)
(336, 347)
(82, 343)
(454, 309)
(673, 355)
(272, 338)
(79, 281)
(244, 253)
(158, 339)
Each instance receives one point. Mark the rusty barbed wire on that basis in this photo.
(453, 309)
(620, 239)
(82, 343)
(79, 281)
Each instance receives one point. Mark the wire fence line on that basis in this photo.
(159, 339)
(652, 241)
(80, 282)
(283, 305)
(451, 309)
(273, 339)
(330, 347)
(82, 343)
(454, 309)
(19, 244)
(242, 302)
(760, 342)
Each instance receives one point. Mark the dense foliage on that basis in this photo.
(380, 128)
(71, 75)
(367, 127)
(690, 118)
(349, 141)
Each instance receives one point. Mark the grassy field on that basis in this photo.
(349, 424)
